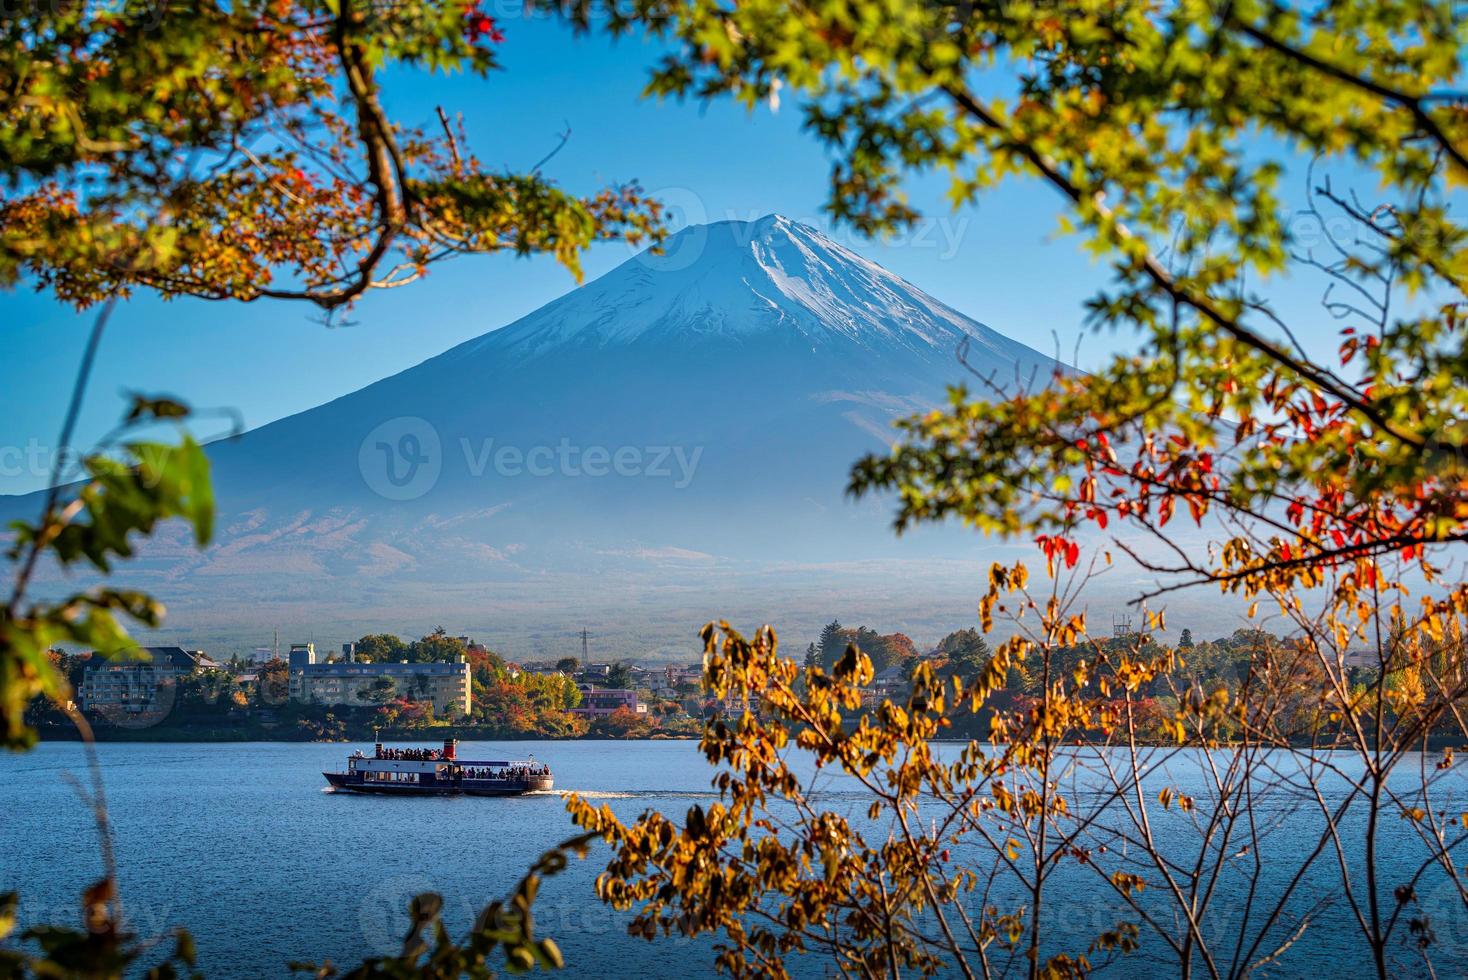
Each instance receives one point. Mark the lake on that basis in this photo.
(243, 844)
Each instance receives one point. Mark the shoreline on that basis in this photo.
(473, 734)
(463, 734)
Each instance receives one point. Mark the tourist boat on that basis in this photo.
(438, 772)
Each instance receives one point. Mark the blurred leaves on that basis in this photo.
(241, 151)
(101, 950)
(127, 491)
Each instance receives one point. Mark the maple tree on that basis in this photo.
(1331, 484)
(242, 151)
(231, 151)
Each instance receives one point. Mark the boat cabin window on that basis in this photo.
(369, 776)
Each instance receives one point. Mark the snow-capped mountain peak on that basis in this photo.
(743, 281)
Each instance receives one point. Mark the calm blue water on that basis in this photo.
(243, 845)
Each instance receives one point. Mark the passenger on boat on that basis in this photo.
(410, 755)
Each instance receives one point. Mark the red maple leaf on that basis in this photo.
(478, 25)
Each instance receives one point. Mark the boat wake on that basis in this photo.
(644, 794)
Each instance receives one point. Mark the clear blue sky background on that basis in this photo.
(999, 262)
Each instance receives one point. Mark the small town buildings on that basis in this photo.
(689, 676)
(446, 685)
(598, 702)
(671, 681)
(892, 682)
(732, 705)
(140, 688)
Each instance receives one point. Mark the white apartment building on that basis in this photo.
(446, 685)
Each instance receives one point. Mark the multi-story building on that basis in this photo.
(597, 702)
(301, 655)
(140, 688)
(446, 685)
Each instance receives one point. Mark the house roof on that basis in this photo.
(176, 657)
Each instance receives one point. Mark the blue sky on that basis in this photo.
(999, 262)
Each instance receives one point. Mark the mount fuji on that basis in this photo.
(680, 428)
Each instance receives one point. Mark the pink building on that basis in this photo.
(598, 702)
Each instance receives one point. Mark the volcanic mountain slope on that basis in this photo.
(702, 405)
(710, 400)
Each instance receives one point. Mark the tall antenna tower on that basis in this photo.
(585, 646)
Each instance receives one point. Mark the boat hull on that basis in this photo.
(353, 783)
(508, 787)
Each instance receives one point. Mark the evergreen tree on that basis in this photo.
(619, 677)
(1186, 641)
(967, 651)
(832, 643)
(381, 691)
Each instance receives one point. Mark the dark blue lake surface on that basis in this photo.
(242, 844)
